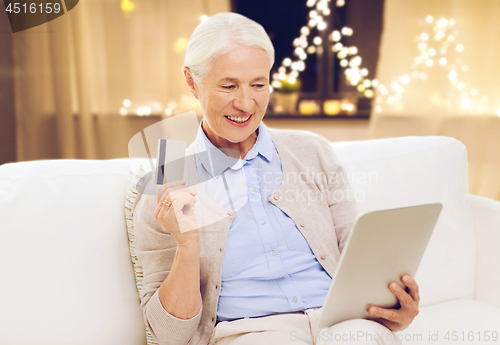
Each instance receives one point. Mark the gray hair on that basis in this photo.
(220, 34)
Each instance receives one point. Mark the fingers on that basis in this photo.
(160, 205)
(166, 189)
(393, 315)
(412, 286)
(399, 319)
(404, 298)
(183, 200)
(394, 319)
(178, 199)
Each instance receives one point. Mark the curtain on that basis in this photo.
(73, 74)
(431, 99)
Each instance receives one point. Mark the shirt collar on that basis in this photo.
(216, 162)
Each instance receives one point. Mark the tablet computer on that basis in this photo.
(381, 247)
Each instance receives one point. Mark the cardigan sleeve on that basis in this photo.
(340, 195)
(155, 250)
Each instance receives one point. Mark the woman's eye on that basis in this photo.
(228, 87)
(259, 86)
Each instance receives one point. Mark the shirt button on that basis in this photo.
(262, 221)
(302, 224)
(323, 256)
(252, 190)
(216, 287)
(273, 252)
(213, 319)
(294, 300)
(276, 197)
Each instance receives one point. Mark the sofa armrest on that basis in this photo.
(487, 225)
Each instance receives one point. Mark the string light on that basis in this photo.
(311, 49)
(336, 36)
(441, 23)
(290, 68)
(428, 56)
(310, 3)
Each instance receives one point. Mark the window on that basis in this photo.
(323, 79)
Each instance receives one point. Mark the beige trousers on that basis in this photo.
(299, 328)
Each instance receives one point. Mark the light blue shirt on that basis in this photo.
(268, 265)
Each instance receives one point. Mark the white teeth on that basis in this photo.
(238, 119)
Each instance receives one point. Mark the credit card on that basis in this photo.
(170, 161)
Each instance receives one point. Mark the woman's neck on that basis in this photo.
(234, 150)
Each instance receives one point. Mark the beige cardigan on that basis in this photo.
(315, 193)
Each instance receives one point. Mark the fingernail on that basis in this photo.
(393, 287)
(373, 311)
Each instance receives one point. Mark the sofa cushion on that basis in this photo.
(399, 172)
(66, 274)
(461, 321)
(135, 182)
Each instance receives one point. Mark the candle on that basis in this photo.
(347, 107)
(331, 107)
(309, 107)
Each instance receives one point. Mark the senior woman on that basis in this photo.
(247, 255)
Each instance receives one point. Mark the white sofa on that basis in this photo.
(67, 277)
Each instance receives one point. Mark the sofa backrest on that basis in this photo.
(399, 172)
(68, 277)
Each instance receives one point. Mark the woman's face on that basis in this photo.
(234, 96)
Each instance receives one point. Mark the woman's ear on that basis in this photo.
(190, 81)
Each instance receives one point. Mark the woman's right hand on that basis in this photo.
(175, 211)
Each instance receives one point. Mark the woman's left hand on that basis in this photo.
(399, 319)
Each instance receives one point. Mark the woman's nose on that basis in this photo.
(243, 101)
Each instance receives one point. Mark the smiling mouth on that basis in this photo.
(238, 119)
